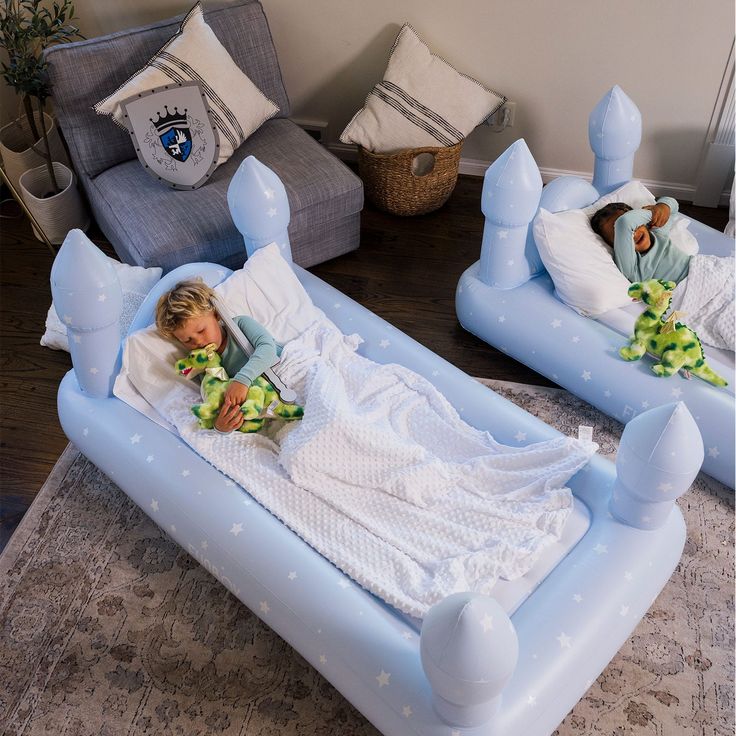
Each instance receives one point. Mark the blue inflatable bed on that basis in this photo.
(548, 293)
(484, 601)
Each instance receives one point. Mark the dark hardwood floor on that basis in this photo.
(406, 271)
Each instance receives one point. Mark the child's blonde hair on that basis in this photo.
(186, 300)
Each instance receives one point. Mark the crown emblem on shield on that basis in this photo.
(173, 131)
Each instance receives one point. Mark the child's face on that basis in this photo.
(199, 331)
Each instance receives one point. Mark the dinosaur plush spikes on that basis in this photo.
(262, 403)
(676, 345)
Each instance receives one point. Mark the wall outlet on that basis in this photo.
(504, 117)
(316, 128)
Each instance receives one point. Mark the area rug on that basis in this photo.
(108, 628)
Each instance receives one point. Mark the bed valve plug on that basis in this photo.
(660, 454)
(469, 650)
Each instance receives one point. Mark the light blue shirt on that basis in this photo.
(663, 260)
(266, 350)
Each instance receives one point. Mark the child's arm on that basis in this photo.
(624, 252)
(662, 213)
(263, 357)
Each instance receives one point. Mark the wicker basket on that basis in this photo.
(411, 182)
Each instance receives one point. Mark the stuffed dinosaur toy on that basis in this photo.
(675, 344)
(263, 402)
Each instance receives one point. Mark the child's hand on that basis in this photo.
(230, 418)
(236, 393)
(660, 213)
(642, 239)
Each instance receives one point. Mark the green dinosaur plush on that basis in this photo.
(677, 346)
(263, 401)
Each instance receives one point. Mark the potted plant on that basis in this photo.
(31, 148)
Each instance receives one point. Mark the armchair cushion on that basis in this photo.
(153, 225)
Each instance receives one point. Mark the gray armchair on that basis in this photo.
(150, 224)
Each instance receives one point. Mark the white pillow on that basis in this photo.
(422, 101)
(135, 282)
(194, 53)
(579, 261)
(266, 288)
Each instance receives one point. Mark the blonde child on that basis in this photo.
(187, 313)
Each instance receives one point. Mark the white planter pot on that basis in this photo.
(18, 156)
(57, 214)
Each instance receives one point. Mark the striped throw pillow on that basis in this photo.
(194, 53)
(421, 101)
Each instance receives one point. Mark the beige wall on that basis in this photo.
(554, 58)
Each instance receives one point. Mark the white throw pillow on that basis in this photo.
(422, 101)
(135, 282)
(195, 54)
(579, 261)
(266, 288)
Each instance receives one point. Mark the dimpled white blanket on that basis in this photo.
(383, 478)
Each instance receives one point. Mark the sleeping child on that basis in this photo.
(187, 313)
(643, 249)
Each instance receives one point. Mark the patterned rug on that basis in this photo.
(108, 628)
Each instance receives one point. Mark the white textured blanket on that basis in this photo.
(383, 477)
(708, 300)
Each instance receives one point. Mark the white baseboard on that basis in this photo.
(477, 167)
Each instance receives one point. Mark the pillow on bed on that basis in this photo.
(579, 261)
(422, 101)
(194, 53)
(266, 288)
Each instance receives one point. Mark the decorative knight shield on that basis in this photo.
(171, 128)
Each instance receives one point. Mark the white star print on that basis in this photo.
(383, 678)
(628, 575)
(93, 371)
(67, 319)
(264, 607)
(664, 487)
(149, 458)
(600, 549)
(607, 394)
(154, 504)
(343, 583)
(556, 323)
(270, 194)
(173, 529)
(577, 598)
(407, 634)
(575, 338)
(322, 659)
(185, 473)
(585, 375)
(271, 212)
(531, 700)
(85, 431)
(135, 439)
(502, 318)
(236, 529)
(645, 404)
(292, 575)
(713, 452)
(336, 305)
(676, 392)
(503, 234)
(384, 343)
(624, 611)
(565, 640)
(101, 297)
(435, 374)
(407, 711)
(204, 544)
(487, 623)
(520, 436)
